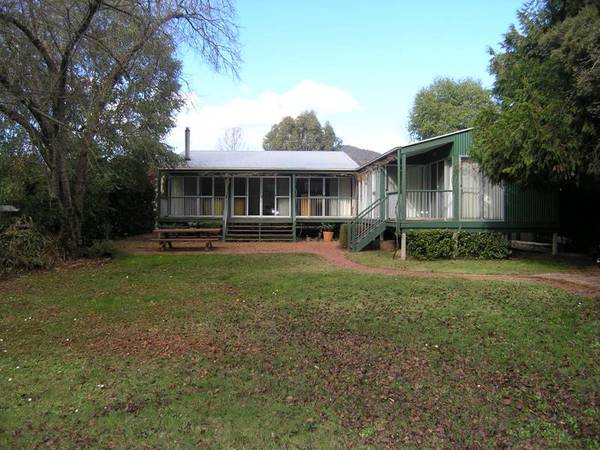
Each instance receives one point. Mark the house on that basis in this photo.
(270, 195)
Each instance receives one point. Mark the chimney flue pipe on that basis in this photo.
(187, 144)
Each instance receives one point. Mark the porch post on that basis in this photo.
(402, 213)
(382, 183)
(403, 246)
(168, 195)
(293, 206)
(455, 185)
(158, 199)
(398, 190)
(226, 207)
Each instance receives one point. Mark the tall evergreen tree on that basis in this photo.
(546, 128)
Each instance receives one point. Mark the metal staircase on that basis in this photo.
(367, 225)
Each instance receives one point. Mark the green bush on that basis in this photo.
(24, 247)
(100, 249)
(445, 244)
(484, 245)
(344, 235)
(430, 244)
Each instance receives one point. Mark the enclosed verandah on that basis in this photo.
(200, 195)
(435, 181)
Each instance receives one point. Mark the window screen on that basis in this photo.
(331, 187)
(283, 187)
(219, 187)
(316, 187)
(206, 186)
(190, 186)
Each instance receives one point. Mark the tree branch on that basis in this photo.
(67, 54)
(34, 134)
(38, 44)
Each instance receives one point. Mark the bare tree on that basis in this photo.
(67, 65)
(232, 140)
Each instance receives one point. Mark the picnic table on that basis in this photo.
(166, 236)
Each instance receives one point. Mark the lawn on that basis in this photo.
(216, 351)
(531, 264)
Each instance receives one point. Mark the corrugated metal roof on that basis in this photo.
(360, 155)
(272, 160)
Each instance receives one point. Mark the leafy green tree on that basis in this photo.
(90, 80)
(546, 130)
(447, 105)
(305, 132)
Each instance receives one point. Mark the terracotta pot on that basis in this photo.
(328, 236)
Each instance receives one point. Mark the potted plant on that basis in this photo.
(327, 232)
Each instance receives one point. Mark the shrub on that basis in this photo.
(24, 247)
(484, 245)
(344, 235)
(444, 244)
(430, 244)
(100, 249)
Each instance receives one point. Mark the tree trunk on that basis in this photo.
(70, 206)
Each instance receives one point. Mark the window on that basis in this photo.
(190, 186)
(480, 198)
(316, 187)
(391, 177)
(283, 187)
(283, 197)
(331, 187)
(302, 187)
(437, 175)
(324, 197)
(219, 187)
(267, 196)
(206, 186)
(254, 196)
(194, 196)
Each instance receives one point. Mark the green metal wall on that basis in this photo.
(523, 209)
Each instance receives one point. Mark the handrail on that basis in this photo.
(429, 190)
(363, 225)
(368, 209)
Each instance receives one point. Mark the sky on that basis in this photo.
(358, 64)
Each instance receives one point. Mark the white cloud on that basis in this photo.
(256, 115)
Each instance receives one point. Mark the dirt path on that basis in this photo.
(584, 282)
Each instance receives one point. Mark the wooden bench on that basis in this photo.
(166, 236)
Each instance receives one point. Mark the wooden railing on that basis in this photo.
(367, 225)
(192, 206)
(324, 207)
(428, 204)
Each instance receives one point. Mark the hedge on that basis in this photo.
(484, 245)
(445, 244)
(430, 244)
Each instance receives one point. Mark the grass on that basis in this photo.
(274, 351)
(515, 265)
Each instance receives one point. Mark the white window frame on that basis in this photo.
(482, 181)
(247, 196)
(197, 195)
(322, 196)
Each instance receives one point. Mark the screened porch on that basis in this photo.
(192, 196)
(196, 195)
(429, 190)
(328, 197)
